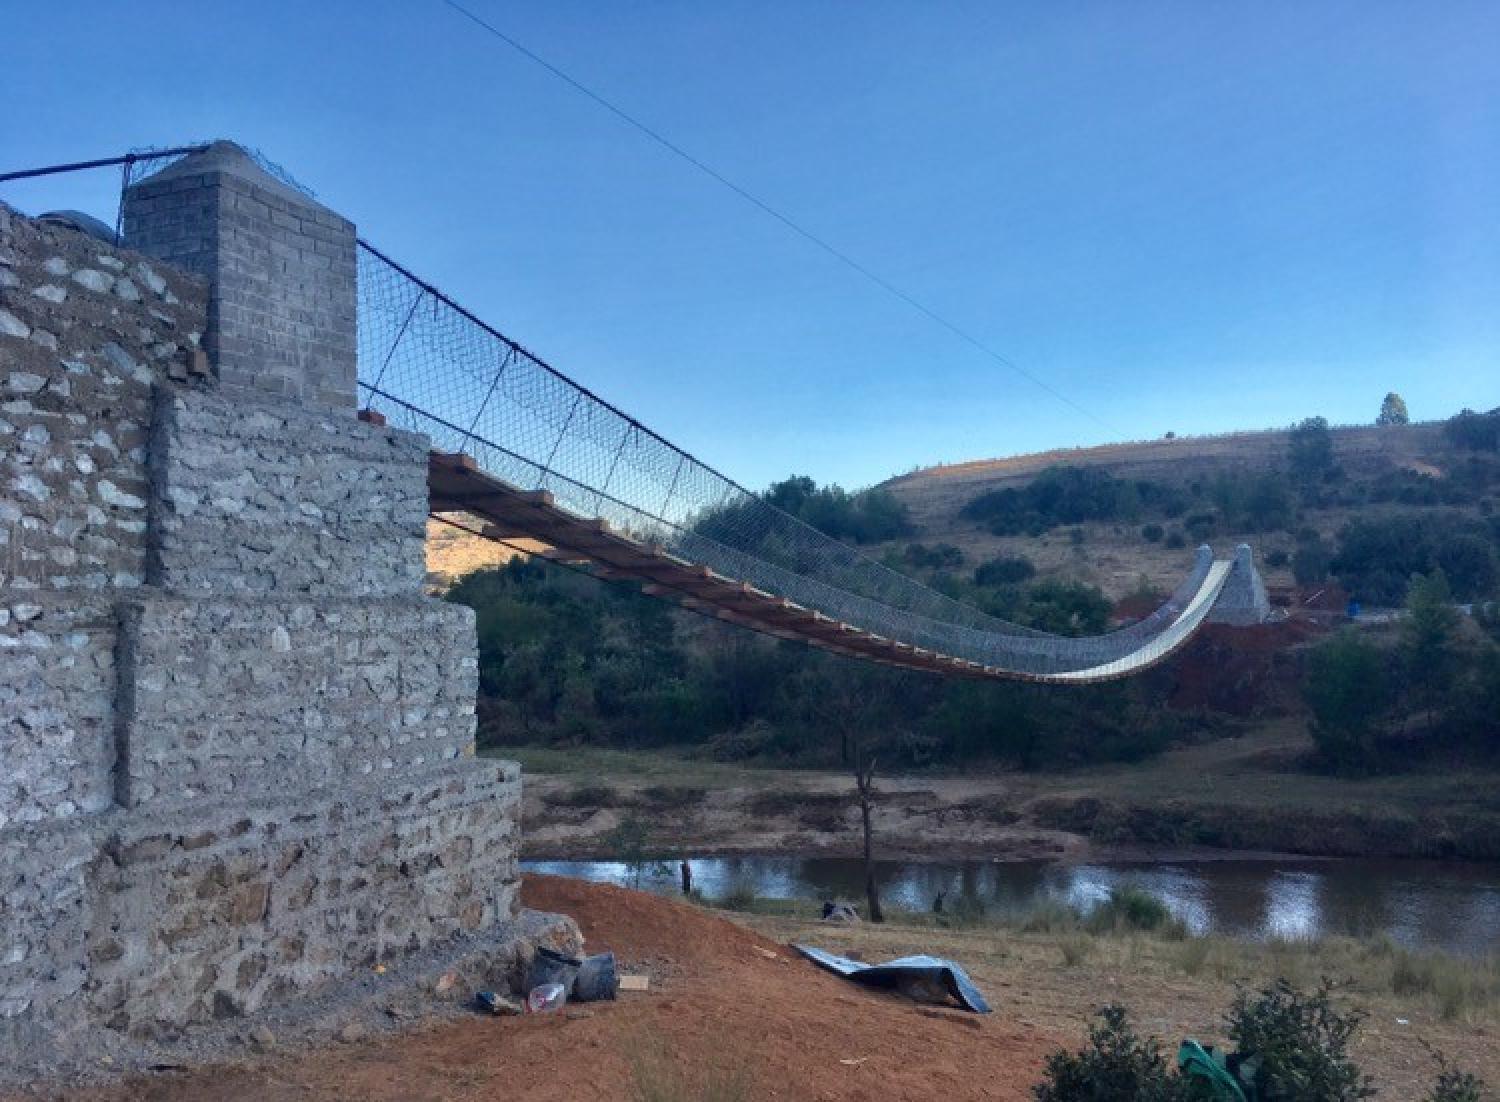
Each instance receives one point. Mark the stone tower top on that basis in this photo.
(281, 268)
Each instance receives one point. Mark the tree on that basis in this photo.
(1311, 560)
(1310, 451)
(1429, 634)
(1346, 695)
(1393, 411)
(864, 783)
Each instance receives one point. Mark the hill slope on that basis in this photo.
(1114, 555)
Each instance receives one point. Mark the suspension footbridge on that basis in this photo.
(521, 452)
(524, 453)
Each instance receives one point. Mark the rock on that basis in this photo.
(494, 1003)
(8, 279)
(446, 983)
(113, 263)
(262, 1038)
(24, 382)
(32, 486)
(51, 292)
(353, 1033)
(151, 279)
(44, 338)
(12, 326)
(122, 362)
(127, 290)
(57, 266)
(91, 280)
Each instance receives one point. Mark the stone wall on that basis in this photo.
(209, 918)
(241, 697)
(90, 330)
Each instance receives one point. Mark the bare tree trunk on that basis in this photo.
(864, 781)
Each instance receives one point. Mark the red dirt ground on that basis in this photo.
(731, 1002)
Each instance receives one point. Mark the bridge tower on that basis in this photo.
(236, 739)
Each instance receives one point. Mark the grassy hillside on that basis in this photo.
(1391, 467)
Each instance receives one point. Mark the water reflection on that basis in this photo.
(1418, 904)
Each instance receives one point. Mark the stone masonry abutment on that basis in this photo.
(236, 740)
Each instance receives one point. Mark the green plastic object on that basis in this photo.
(1211, 1066)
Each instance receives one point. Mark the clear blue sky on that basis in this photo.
(1189, 216)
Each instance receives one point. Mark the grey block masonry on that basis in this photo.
(281, 266)
(236, 741)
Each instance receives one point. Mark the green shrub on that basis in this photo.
(1152, 533)
(1005, 570)
(1454, 1085)
(583, 796)
(1116, 1065)
(1302, 1040)
(1130, 908)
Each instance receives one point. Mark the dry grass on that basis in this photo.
(1050, 970)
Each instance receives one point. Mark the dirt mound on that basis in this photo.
(728, 1007)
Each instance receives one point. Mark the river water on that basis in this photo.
(1451, 906)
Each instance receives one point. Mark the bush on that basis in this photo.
(1277, 559)
(1069, 495)
(943, 556)
(1005, 570)
(1200, 526)
(1130, 908)
(1152, 533)
(1454, 1085)
(1115, 1065)
(1302, 1040)
(587, 796)
(1176, 540)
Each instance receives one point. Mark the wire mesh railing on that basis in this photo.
(430, 365)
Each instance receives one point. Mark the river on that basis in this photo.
(1419, 904)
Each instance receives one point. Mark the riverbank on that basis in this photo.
(1231, 797)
